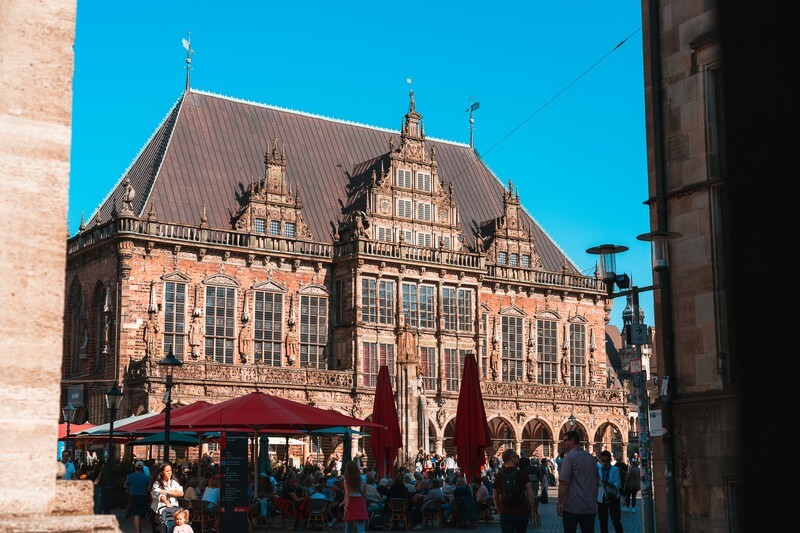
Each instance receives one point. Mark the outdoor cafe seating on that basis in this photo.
(398, 512)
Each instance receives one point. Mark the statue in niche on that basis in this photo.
(530, 366)
(494, 361)
(292, 348)
(245, 342)
(107, 335)
(150, 335)
(565, 368)
(195, 337)
(592, 369)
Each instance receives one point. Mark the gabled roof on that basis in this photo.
(209, 148)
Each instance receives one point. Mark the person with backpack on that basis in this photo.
(513, 495)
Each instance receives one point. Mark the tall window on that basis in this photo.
(369, 307)
(453, 363)
(403, 178)
(547, 351)
(464, 310)
(426, 306)
(512, 348)
(268, 329)
(373, 357)
(485, 345)
(175, 318)
(427, 356)
(449, 308)
(313, 330)
(577, 355)
(410, 305)
(385, 302)
(220, 334)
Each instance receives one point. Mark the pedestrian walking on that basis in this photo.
(608, 493)
(633, 484)
(577, 487)
(513, 495)
(137, 484)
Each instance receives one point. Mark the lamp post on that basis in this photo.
(113, 399)
(169, 363)
(69, 415)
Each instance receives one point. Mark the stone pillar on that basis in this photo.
(36, 39)
(407, 392)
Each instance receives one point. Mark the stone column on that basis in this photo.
(36, 39)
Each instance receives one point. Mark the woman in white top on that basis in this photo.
(165, 491)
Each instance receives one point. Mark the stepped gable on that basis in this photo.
(210, 149)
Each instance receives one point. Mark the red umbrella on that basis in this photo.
(73, 429)
(471, 435)
(385, 441)
(258, 411)
(155, 423)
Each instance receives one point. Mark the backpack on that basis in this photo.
(509, 488)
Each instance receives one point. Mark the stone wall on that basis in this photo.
(36, 66)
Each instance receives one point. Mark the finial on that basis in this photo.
(411, 105)
(83, 224)
(187, 44)
(433, 153)
(203, 217)
(152, 213)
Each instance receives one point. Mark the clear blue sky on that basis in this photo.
(561, 110)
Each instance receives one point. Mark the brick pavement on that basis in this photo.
(551, 522)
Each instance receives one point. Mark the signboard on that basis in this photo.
(636, 366)
(233, 501)
(636, 333)
(75, 395)
(656, 429)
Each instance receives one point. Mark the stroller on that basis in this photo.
(163, 522)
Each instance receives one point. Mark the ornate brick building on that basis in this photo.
(278, 251)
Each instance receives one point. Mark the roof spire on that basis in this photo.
(187, 44)
(471, 109)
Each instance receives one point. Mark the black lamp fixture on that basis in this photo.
(571, 421)
(113, 400)
(169, 364)
(68, 411)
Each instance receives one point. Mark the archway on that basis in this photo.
(503, 436)
(447, 441)
(537, 439)
(608, 437)
(585, 443)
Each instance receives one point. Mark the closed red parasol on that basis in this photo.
(472, 434)
(387, 439)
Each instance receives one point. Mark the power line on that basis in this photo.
(551, 100)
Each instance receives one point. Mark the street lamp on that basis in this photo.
(571, 421)
(170, 363)
(69, 415)
(607, 253)
(113, 399)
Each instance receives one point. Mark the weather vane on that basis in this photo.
(187, 44)
(471, 109)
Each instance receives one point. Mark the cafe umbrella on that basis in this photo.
(471, 434)
(264, 413)
(385, 440)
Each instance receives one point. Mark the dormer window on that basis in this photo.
(404, 209)
(502, 258)
(274, 227)
(514, 259)
(526, 261)
(424, 181)
(289, 229)
(403, 178)
(423, 211)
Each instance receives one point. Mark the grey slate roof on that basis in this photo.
(209, 148)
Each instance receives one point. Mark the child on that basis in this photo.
(181, 518)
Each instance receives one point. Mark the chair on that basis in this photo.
(205, 514)
(433, 513)
(317, 508)
(398, 511)
(286, 508)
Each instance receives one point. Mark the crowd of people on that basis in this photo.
(590, 487)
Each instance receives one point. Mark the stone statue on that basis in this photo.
(151, 331)
(494, 361)
(195, 337)
(292, 349)
(592, 369)
(565, 368)
(530, 366)
(245, 342)
(106, 334)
